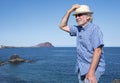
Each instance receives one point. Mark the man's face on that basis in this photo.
(82, 19)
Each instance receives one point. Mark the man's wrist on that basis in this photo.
(69, 11)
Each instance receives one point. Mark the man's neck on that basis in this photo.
(85, 24)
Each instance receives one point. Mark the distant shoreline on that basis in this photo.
(44, 44)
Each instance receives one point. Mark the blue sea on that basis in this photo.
(52, 65)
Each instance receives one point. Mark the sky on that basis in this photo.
(30, 22)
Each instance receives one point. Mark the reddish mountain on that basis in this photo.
(45, 44)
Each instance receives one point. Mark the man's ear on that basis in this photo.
(88, 17)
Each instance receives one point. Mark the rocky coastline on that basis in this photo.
(116, 81)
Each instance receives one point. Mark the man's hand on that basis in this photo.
(74, 7)
(91, 77)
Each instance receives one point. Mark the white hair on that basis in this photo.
(91, 17)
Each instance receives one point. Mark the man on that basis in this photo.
(90, 59)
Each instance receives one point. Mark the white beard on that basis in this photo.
(82, 22)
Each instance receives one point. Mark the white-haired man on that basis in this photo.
(90, 59)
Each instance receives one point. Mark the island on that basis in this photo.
(45, 44)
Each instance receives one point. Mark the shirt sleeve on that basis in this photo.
(73, 30)
(97, 38)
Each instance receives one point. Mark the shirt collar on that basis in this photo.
(87, 26)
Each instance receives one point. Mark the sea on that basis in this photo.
(52, 65)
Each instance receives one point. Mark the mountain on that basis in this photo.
(45, 44)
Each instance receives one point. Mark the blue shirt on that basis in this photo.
(88, 39)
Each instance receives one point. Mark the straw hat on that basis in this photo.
(83, 9)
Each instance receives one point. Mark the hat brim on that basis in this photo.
(83, 13)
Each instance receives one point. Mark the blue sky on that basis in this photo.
(30, 22)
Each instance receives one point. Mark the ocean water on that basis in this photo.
(52, 65)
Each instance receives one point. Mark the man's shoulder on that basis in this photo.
(94, 27)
